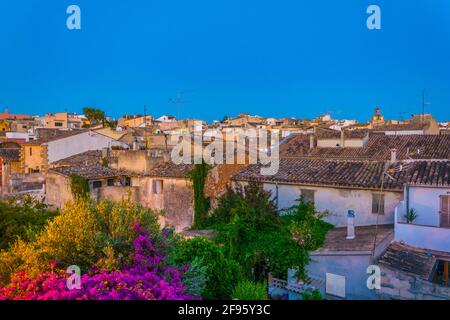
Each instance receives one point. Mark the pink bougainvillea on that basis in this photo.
(147, 278)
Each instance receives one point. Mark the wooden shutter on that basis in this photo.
(445, 211)
(377, 203)
(445, 204)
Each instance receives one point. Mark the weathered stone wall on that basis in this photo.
(117, 193)
(176, 199)
(139, 161)
(58, 190)
(26, 182)
(398, 285)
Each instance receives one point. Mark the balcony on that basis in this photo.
(433, 236)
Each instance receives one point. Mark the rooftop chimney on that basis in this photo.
(311, 141)
(393, 156)
(350, 225)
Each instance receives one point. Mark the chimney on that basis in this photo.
(350, 225)
(311, 141)
(393, 156)
(342, 139)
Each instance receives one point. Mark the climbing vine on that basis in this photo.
(79, 186)
(201, 203)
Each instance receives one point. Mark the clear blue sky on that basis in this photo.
(278, 58)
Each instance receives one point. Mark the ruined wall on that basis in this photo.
(398, 285)
(176, 199)
(57, 191)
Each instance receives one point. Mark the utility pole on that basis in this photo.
(145, 127)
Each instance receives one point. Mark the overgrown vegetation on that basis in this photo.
(201, 203)
(79, 186)
(250, 231)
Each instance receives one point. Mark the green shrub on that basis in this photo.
(221, 274)
(247, 290)
(22, 221)
(312, 295)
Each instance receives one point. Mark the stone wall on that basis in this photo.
(58, 190)
(117, 193)
(176, 200)
(19, 183)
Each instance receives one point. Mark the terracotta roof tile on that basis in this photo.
(10, 154)
(90, 172)
(408, 259)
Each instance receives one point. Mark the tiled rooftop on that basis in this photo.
(10, 154)
(378, 148)
(88, 158)
(354, 174)
(364, 238)
(408, 259)
(48, 135)
(90, 172)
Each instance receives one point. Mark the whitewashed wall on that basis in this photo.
(338, 201)
(426, 202)
(66, 147)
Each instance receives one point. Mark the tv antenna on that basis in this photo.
(179, 101)
(424, 103)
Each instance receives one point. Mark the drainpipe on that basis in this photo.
(407, 197)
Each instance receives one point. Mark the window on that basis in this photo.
(308, 195)
(96, 184)
(335, 285)
(110, 182)
(378, 203)
(445, 211)
(157, 186)
(58, 124)
(31, 151)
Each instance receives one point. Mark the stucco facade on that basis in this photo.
(337, 201)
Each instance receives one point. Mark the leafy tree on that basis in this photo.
(22, 221)
(250, 230)
(95, 116)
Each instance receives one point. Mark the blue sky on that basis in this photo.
(278, 58)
